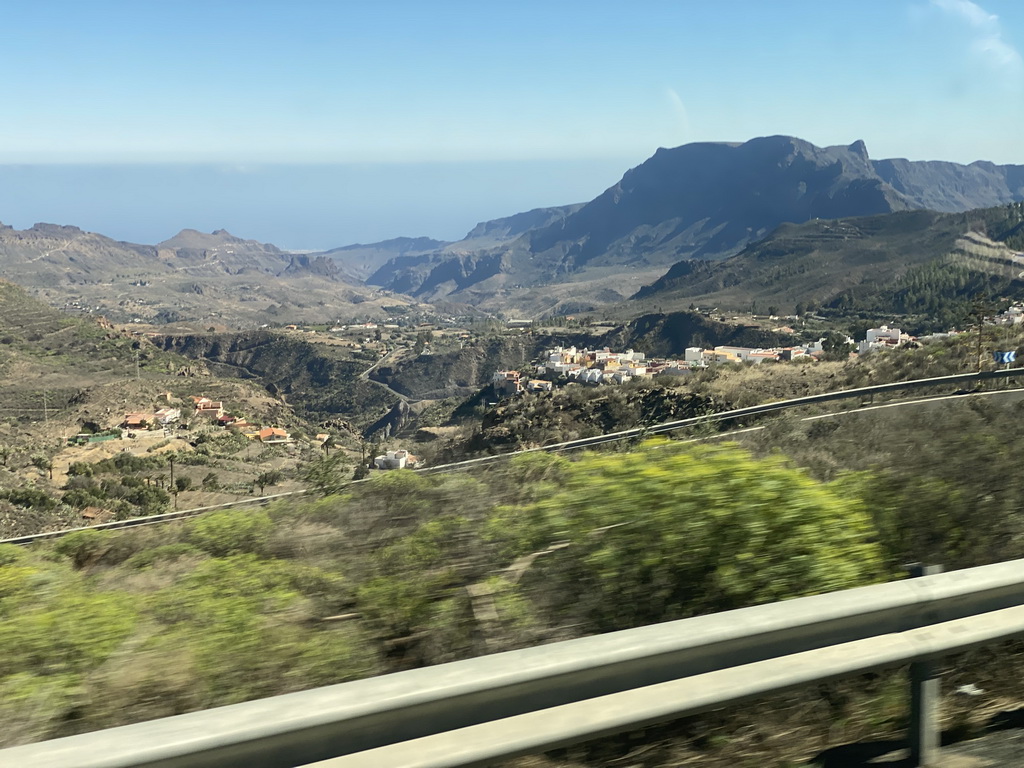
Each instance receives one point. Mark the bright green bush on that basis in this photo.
(231, 532)
(669, 531)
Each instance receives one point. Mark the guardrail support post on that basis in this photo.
(925, 736)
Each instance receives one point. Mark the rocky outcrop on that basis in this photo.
(699, 201)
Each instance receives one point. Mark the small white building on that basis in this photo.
(881, 338)
(884, 334)
(400, 459)
(693, 355)
(506, 383)
(166, 415)
(1012, 316)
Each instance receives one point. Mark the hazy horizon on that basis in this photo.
(293, 206)
(397, 118)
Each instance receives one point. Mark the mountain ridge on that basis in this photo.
(928, 265)
(191, 276)
(705, 200)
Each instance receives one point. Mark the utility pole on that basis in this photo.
(46, 411)
(980, 325)
(174, 488)
(137, 375)
(981, 305)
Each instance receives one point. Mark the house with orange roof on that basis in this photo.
(274, 436)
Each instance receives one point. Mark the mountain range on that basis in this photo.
(698, 201)
(646, 235)
(215, 276)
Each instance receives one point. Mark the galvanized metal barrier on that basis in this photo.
(533, 732)
(479, 710)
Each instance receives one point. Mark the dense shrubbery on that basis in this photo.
(29, 497)
(414, 569)
(190, 630)
(667, 532)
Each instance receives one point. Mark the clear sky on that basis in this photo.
(379, 119)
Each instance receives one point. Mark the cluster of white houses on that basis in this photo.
(603, 366)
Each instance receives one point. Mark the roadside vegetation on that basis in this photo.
(100, 629)
(406, 570)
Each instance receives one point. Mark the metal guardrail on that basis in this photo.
(478, 710)
(533, 732)
(586, 442)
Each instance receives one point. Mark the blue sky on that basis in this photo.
(391, 118)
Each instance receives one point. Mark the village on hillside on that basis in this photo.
(564, 365)
(205, 411)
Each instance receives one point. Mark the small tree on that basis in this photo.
(835, 346)
(270, 477)
(325, 473)
(44, 463)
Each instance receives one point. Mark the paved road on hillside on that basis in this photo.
(365, 375)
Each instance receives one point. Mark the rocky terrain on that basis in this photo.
(920, 263)
(701, 201)
(211, 279)
(696, 203)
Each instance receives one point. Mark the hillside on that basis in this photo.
(409, 569)
(702, 201)
(321, 382)
(204, 278)
(63, 375)
(917, 263)
(359, 261)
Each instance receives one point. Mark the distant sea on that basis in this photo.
(296, 207)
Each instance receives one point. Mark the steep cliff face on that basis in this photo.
(697, 201)
(951, 187)
(511, 227)
(706, 200)
(360, 261)
(460, 372)
(313, 378)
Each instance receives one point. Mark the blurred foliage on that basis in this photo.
(329, 473)
(669, 531)
(101, 628)
(231, 531)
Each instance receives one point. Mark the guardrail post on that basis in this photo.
(924, 736)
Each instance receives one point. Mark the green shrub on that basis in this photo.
(670, 531)
(230, 532)
(149, 557)
(82, 547)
